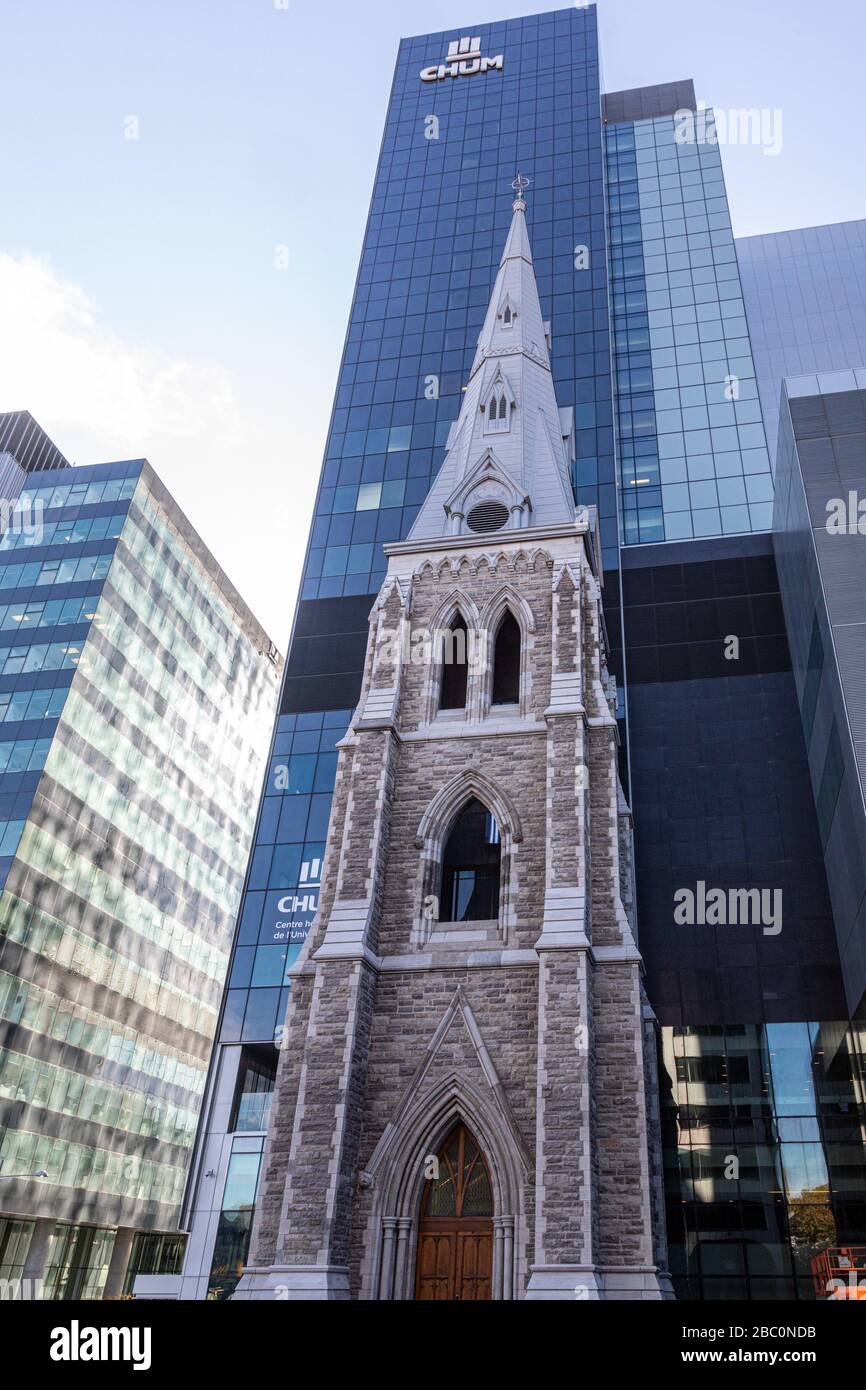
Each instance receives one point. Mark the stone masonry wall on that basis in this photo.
(356, 1035)
(565, 1168)
(408, 1008)
(529, 575)
(623, 1208)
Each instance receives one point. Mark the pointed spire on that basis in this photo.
(514, 321)
(510, 441)
(517, 245)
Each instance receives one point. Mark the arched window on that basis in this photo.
(507, 316)
(470, 867)
(506, 662)
(455, 666)
(497, 410)
(462, 1188)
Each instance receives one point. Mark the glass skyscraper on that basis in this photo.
(137, 693)
(693, 456)
(639, 277)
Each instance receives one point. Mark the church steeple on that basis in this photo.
(511, 445)
(514, 322)
(471, 986)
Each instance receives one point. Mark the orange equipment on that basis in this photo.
(840, 1272)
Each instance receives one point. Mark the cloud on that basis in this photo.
(216, 434)
(80, 378)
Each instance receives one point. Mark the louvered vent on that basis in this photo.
(487, 516)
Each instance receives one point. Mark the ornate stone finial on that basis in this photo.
(520, 185)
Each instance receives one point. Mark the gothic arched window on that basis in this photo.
(506, 662)
(462, 1187)
(470, 867)
(507, 317)
(455, 666)
(497, 409)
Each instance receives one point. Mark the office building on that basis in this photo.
(137, 693)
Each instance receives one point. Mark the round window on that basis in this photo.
(487, 516)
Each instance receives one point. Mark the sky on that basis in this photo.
(185, 186)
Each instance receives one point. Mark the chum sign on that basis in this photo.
(464, 59)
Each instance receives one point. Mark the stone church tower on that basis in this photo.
(465, 1104)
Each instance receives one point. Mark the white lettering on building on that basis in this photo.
(464, 59)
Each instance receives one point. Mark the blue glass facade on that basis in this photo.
(282, 888)
(439, 214)
(786, 1101)
(693, 456)
(133, 680)
(805, 294)
(49, 593)
(758, 1062)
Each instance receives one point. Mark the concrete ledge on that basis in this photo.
(563, 1283)
(564, 922)
(595, 1283)
(294, 1284)
(153, 1286)
(460, 959)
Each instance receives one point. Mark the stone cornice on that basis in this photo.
(489, 540)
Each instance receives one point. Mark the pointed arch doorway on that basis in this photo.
(455, 1234)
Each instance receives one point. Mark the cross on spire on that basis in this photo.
(520, 185)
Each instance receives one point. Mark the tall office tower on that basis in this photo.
(137, 693)
(805, 294)
(638, 274)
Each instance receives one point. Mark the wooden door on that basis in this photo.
(455, 1236)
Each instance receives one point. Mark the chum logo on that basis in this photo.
(464, 58)
(292, 902)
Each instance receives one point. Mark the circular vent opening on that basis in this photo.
(487, 516)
